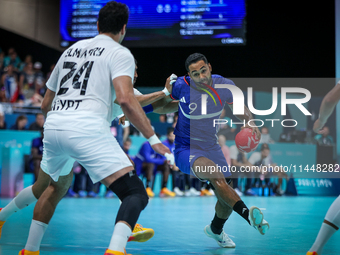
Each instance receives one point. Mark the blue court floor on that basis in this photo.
(84, 226)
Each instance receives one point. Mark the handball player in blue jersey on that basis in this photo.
(197, 151)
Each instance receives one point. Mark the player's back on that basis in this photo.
(82, 81)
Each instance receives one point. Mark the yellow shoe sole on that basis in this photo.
(142, 236)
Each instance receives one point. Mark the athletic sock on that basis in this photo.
(164, 185)
(120, 237)
(217, 225)
(333, 213)
(326, 230)
(23, 199)
(35, 236)
(242, 210)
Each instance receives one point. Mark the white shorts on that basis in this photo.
(99, 153)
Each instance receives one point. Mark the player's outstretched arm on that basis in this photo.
(157, 96)
(47, 102)
(168, 108)
(247, 116)
(327, 106)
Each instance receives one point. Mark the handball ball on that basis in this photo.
(246, 141)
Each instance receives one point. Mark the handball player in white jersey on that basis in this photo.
(159, 101)
(88, 77)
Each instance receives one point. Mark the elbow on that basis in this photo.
(123, 102)
(124, 99)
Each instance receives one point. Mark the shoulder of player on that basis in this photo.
(221, 78)
(183, 80)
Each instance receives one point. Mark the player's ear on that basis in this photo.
(123, 31)
(210, 68)
(98, 26)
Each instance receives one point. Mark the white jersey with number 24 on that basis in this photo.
(82, 81)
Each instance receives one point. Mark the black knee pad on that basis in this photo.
(130, 190)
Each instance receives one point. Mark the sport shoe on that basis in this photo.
(109, 194)
(312, 253)
(82, 193)
(150, 192)
(24, 252)
(92, 194)
(167, 193)
(1, 224)
(205, 192)
(257, 220)
(140, 234)
(194, 192)
(222, 239)
(111, 252)
(178, 192)
(250, 192)
(71, 193)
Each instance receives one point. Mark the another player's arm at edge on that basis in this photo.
(160, 104)
(247, 116)
(327, 106)
(47, 102)
(148, 99)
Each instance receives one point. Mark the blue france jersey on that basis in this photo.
(192, 125)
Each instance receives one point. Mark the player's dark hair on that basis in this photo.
(170, 130)
(193, 58)
(112, 17)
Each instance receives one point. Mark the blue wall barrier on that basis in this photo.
(15, 139)
(11, 118)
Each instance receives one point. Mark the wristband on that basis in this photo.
(170, 158)
(166, 91)
(148, 108)
(154, 139)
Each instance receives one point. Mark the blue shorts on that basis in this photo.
(186, 154)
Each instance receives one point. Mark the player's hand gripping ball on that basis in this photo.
(246, 141)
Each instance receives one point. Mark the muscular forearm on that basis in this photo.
(246, 116)
(326, 110)
(150, 98)
(168, 107)
(47, 102)
(328, 104)
(45, 110)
